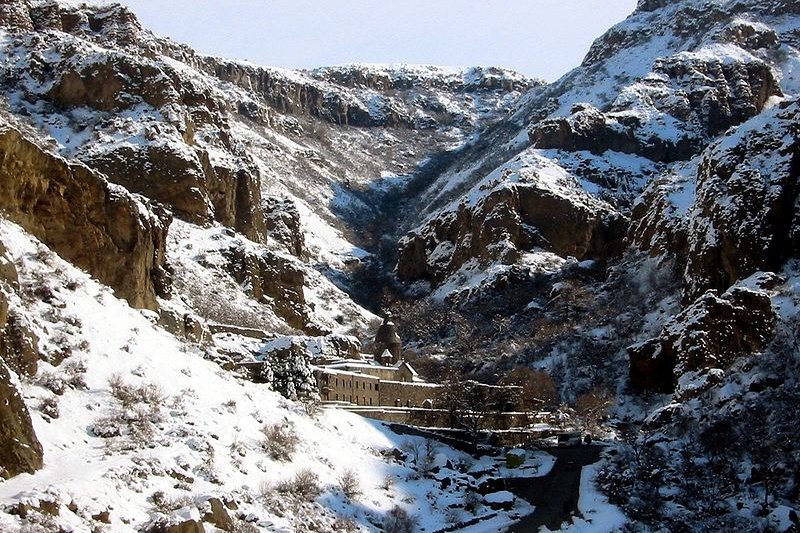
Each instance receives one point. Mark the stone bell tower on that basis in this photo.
(387, 339)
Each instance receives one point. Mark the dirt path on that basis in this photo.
(556, 494)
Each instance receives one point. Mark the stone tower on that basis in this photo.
(387, 339)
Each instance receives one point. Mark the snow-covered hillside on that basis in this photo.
(139, 427)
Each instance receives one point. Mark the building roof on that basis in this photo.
(402, 363)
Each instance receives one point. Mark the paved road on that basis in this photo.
(556, 494)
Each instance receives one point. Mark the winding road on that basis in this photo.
(556, 494)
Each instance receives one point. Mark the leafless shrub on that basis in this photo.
(472, 501)
(422, 453)
(388, 482)
(592, 408)
(305, 484)
(36, 522)
(49, 407)
(349, 484)
(452, 516)
(130, 395)
(398, 520)
(312, 406)
(167, 504)
(68, 376)
(345, 525)
(280, 440)
(137, 411)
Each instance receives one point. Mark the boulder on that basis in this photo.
(218, 515)
(20, 450)
(99, 227)
(503, 500)
(186, 325)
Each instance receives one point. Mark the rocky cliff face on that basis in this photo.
(96, 225)
(20, 450)
(632, 227)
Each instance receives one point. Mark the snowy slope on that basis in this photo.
(202, 436)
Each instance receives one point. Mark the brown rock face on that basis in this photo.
(283, 224)
(236, 197)
(710, 333)
(287, 96)
(90, 223)
(218, 515)
(20, 450)
(112, 84)
(3, 312)
(160, 173)
(271, 279)
(8, 272)
(194, 188)
(506, 222)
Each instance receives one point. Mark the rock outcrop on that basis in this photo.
(746, 215)
(19, 345)
(731, 211)
(20, 450)
(271, 279)
(589, 129)
(710, 333)
(507, 221)
(697, 96)
(321, 94)
(282, 221)
(15, 15)
(75, 211)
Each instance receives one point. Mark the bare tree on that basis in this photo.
(538, 388)
(592, 407)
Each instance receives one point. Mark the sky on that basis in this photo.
(539, 38)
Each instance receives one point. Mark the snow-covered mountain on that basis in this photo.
(631, 230)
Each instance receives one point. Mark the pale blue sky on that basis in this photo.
(540, 38)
